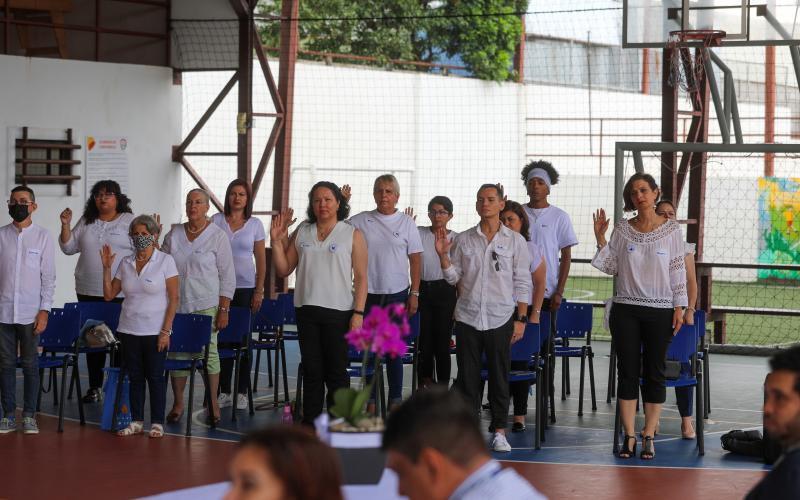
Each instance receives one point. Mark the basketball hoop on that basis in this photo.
(686, 71)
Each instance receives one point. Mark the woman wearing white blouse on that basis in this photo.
(105, 221)
(646, 253)
(203, 256)
(149, 280)
(246, 234)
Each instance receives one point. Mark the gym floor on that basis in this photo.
(575, 461)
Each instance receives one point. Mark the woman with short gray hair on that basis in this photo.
(150, 282)
(204, 259)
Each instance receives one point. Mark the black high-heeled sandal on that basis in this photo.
(648, 452)
(626, 452)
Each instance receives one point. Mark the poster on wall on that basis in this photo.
(107, 158)
(779, 217)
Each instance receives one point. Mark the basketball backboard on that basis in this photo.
(648, 23)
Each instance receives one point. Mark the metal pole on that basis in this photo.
(244, 121)
(769, 108)
(731, 107)
(589, 82)
(718, 108)
(645, 71)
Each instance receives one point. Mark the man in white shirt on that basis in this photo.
(490, 265)
(27, 284)
(434, 444)
(552, 230)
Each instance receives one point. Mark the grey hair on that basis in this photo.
(385, 179)
(201, 191)
(147, 221)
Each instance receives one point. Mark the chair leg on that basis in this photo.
(63, 390)
(591, 378)
(76, 376)
(564, 378)
(610, 386)
(699, 421)
(707, 382)
(537, 442)
(616, 429)
(269, 367)
(54, 385)
(235, 390)
(276, 385)
(566, 368)
(254, 385)
(580, 391)
(71, 388)
(298, 395)
(283, 370)
(41, 390)
(117, 396)
(191, 398)
(250, 405)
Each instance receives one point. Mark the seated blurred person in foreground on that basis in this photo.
(782, 421)
(434, 444)
(282, 463)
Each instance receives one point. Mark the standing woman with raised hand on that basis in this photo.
(149, 280)
(246, 235)
(646, 253)
(203, 256)
(105, 221)
(330, 292)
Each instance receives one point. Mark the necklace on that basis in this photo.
(323, 233)
(144, 259)
(189, 227)
(533, 213)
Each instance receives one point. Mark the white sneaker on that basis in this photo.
(224, 400)
(241, 402)
(499, 443)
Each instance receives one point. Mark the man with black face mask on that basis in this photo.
(27, 284)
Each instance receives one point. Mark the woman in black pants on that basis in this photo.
(437, 299)
(646, 253)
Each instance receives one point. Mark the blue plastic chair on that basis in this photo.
(268, 324)
(529, 349)
(236, 336)
(683, 349)
(703, 355)
(191, 333)
(108, 313)
(58, 342)
(575, 322)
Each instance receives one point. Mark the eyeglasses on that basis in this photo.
(434, 213)
(11, 203)
(104, 196)
(496, 262)
(190, 203)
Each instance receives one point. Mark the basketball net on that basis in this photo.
(686, 71)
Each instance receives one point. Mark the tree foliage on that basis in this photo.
(483, 33)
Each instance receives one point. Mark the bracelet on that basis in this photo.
(166, 332)
(558, 293)
(260, 292)
(224, 309)
(691, 309)
(356, 311)
(415, 293)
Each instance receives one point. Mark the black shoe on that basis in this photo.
(93, 396)
(518, 427)
(486, 406)
(626, 451)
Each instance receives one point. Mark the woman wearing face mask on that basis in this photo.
(204, 259)
(105, 221)
(149, 280)
(514, 217)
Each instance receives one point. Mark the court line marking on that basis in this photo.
(731, 469)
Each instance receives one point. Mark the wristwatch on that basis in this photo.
(414, 293)
(521, 318)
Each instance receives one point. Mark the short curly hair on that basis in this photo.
(544, 165)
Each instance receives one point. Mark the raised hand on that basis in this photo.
(66, 217)
(279, 228)
(410, 212)
(157, 217)
(107, 257)
(288, 215)
(346, 192)
(443, 244)
(600, 225)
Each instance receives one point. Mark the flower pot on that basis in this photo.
(361, 456)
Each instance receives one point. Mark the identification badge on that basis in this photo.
(631, 248)
(333, 247)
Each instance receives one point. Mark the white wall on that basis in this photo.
(139, 102)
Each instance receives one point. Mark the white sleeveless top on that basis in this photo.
(324, 276)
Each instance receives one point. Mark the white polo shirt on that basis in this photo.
(431, 267)
(27, 273)
(552, 229)
(88, 240)
(537, 259)
(242, 242)
(205, 266)
(146, 296)
(390, 240)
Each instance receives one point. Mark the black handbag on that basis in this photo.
(672, 370)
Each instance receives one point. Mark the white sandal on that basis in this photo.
(156, 431)
(133, 428)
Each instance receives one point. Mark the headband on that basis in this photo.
(539, 173)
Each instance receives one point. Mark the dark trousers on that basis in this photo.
(437, 300)
(96, 361)
(644, 333)
(495, 344)
(323, 352)
(143, 363)
(14, 335)
(394, 367)
(242, 297)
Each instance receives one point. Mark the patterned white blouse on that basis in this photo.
(649, 267)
